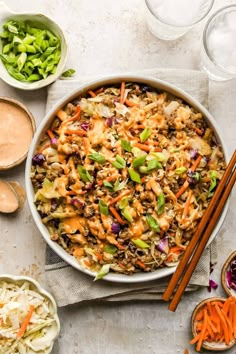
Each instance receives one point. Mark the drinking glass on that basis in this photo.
(171, 19)
(218, 53)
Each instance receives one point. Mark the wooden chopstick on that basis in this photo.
(197, 235)
(193, 263)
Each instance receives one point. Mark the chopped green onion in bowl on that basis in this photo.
(29, 53)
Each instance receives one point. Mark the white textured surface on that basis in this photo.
(109, 36)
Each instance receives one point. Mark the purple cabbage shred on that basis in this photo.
(163, 245)
(85, 126)
(193, 154)
(231, 275)
(109, 122)
(212, 285)
(115, 228)
(38, 159)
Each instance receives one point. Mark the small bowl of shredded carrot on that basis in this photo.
(28, 316)
(214, 324)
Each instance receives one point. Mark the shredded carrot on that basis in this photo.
(143, 147)
(99, 256)
(198, 131)
(122, 92)
(116, 215)
(130, 103)
(234, 319)
(77, 132)
(202, 333)
(158, 149)
(186, 351)
(50, 134)
(206, 179)
(195, 339)
(108, 179)
(153, 143)
(92, 94)
(25, 322)
(87, 263)
(224, 324)
(121, 247)
(75, 117)
(182, 189)
(187, 204)
(174, 251)
(196, 163)
(44, 147)
(199, 316)
(119, 197)
(140, 264)
(100, 90)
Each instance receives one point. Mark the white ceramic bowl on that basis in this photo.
(41, 21)
(34, 285)
(158, 84)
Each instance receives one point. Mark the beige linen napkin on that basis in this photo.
(69, 285)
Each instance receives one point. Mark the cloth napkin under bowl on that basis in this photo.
(69, 285)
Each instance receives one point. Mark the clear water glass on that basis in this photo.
(218, 53)
(171, 19)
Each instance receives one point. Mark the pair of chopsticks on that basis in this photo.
(200, 238)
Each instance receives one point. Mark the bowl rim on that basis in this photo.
(31, 118)
(108, 80)
(27, 86)
(205, 344)
(22, 278)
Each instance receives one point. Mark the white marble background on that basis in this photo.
(104, 37)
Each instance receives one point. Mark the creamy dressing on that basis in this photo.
(16, 133)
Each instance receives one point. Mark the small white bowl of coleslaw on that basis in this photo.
(28, 316)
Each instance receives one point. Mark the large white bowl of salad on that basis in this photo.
(29, 322)
(119, 174)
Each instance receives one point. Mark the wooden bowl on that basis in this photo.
(225, 269)
(213, 346)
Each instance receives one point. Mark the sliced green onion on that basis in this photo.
(160, 204)
(119, 163)
(140, 243)
(104, 271)
(110, 249)
(107, 185)
(213, 183)
(139, 161)
(124, 203)
(95, 156)
(180, 170)
(126, 145)
(126, 213)
(68, 73)
(152, 222)
(118, 186)
(160, 156)
(103, 207)
(143, 169)
(84, 174)
(153, 165)
(145, 134)
(134, 175)
(137, 152)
